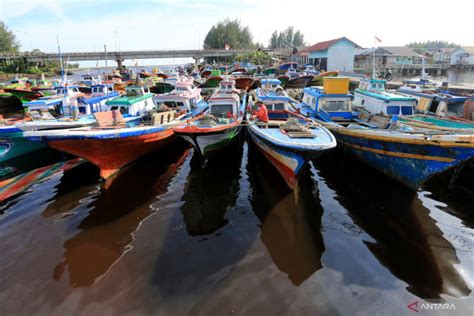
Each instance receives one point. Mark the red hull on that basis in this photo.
(286, 172)
(110, 155)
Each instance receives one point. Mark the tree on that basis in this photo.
(228, 32)
(286, 39)
(430, 45)
(256, 57)
(7, 39)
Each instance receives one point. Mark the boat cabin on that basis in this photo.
(70, 91)
(184, 97)
(136, 101)
(328, 106)
(271, 85)
(372, 95)
(225, 101)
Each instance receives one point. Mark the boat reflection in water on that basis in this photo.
(290, 220)
(408, 240)
(210, 190)
(108, 230)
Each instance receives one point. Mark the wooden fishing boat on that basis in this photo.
(372, 96)
(283, 79)
(12, 142)
(24, 95)
(270, 71)
(244, 83)
(219, 126)
(289, 141)
(318, 80)
(432, 101)
(110, 145)
(211, 82)
(299, 82)
(410, 156)
(184, 98)
(162, 87)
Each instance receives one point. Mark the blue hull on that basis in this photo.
(411, 164)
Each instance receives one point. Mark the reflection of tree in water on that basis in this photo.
(107, 232)
(408, 241)
(209, 191)
(290, 220)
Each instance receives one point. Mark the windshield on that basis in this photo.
(335, 106)
(221, 110)
(456, 109)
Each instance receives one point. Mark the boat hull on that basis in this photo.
(112, 154)
(13, 144)
(410, 162)
(288, 161)
(209, 143)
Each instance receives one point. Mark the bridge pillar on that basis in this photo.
(119, 61)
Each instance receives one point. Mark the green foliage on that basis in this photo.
(20, 66)
(431, 45)
(228, 32)
(8, 41)
(257, 57)
(286, 39)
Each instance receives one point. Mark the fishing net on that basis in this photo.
(292, 125)
(208, 120)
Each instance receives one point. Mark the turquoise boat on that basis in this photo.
(13, 144)
(372, 96)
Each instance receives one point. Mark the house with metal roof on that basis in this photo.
(386, 56)
(463, 56)
(335, 54)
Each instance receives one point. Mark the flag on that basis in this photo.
(226, 46)
(377, 40)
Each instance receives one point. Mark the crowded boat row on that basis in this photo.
(410, 135)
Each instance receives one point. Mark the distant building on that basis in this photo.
(442, 55)
(301, 56)
(386, 56)
(336, 54)
(463, 56)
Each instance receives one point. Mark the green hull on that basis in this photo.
(208, 144)
(14, 144)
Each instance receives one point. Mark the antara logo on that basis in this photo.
(416, 307)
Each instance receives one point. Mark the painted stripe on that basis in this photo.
(398, 154)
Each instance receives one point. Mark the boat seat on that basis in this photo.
(163, 117)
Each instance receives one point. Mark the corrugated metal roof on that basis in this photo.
(469, 49)
(401, 51)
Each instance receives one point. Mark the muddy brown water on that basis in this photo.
(170, 237)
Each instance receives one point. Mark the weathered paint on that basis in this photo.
(409, 163)
(112, 154)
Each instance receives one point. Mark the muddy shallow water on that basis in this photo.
(169, 237)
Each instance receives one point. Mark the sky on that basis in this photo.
(86, 25)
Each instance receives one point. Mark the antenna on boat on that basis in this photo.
(373, 62)
(61, 61)
(423, 73)
(105, 49)
(97, 65)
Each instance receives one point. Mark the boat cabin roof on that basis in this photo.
(318, 92)
(270, 81)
